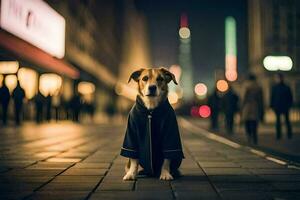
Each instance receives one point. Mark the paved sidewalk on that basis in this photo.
(70, 161)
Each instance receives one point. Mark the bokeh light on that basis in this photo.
(204, 111)
(275, 63)
(28, 80)
(200, 89)
(11, 82)
(86, 88)
(173, 97)
(195, 111)
(222, 85)
(184, 32)
(176, 70)
(231, 75)
(50, 84)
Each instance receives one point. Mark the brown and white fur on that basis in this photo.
(153, 89)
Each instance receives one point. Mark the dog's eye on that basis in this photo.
(160, 78)
(145, 78)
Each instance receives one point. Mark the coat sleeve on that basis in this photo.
(172, 148)
(130, 148)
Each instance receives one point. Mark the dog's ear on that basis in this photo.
(168, 75)
(135, 75)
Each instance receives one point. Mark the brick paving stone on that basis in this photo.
(84, 160)
(132, 195)
(86, 165)
(236, 178)
(59, 195)
(245, 195)
(252, 186)
(84, 172)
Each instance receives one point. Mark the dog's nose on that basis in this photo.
(152, 89)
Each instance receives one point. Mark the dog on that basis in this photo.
(152, 138)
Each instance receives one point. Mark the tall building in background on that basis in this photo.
(274, 30)
(185, 59)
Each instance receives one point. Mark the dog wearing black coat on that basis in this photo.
(152, 138)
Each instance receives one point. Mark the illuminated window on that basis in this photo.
(50, 84)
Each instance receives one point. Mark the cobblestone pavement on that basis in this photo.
(71, 161)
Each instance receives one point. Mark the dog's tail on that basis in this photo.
(127, 166)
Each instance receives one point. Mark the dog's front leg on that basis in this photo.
(165, 171)
(133, 169)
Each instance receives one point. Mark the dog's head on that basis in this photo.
(153, 84)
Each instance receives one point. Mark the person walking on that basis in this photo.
(230, 106)
(18, 97)
(214, 102)
(39, 101)
(252, 108)
(281, 102)
(4, 100)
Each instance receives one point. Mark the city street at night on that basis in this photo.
(71, 161)
(149, 99)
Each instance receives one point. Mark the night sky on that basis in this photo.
(206, 22)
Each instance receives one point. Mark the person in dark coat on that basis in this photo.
(4, 100)
(18, 97)
(48, 107)
(281, 102)
(230, 107)
(152, 136)
(75, 105)
(214, 102)
(39, 101)
(252, 108)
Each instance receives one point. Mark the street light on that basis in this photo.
(278, 63)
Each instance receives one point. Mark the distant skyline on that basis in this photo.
(206, 19)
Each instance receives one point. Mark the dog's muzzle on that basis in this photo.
(152, 90)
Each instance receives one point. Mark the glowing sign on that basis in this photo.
(35, 22)
(9, 67)
(230, 49)
(276, 63)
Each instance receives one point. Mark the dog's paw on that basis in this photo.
(129, 176)
(165, 175)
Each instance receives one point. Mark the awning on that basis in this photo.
(36, 55)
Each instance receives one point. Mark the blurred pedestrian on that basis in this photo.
(230, 106)
(39, 100)
(4, 100)
(56, 103)
(48, 107)
(75, 105)
(18, 96)
(252, 108)
(281, 102)
(214, 102)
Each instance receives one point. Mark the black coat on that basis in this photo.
(153, 136)
(281, 98)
